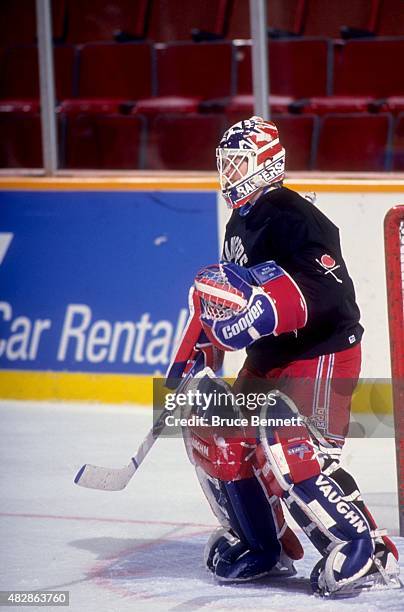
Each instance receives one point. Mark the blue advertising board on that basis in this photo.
(97, 281)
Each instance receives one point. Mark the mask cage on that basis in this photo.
(229, 165)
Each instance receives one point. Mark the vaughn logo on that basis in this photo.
(343, 507)
(256, 310)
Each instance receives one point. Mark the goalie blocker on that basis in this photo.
(246, 480)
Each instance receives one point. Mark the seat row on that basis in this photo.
(206, 76)
(352, 142)
(84, 21)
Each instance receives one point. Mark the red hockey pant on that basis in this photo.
(321, 387)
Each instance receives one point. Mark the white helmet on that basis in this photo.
(249, 157)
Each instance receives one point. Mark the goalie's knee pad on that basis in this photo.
(326, 503)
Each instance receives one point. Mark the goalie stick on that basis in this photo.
(116, 479)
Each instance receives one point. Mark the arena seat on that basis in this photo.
(322, 105)
(19, 76)
(368, 68)
(103, 142)
(390, 18)
(180, 89)
(184, 142)
(211, 74)
(398, 145)
(18, 21)
(96, 20)
(97, 106)
(166, 104)
(298, 67)
(26, 106)
(298, 134)
(112, 71)
(283, 16)
(356, 143)
(171, 20)
(327, 17)
(245, 104)
(20, 142)
(392, 104)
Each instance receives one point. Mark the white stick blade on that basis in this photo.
(104, 479)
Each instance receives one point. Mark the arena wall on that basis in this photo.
(94, 276)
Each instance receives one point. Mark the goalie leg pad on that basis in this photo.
(328, 507)
(254, 540)
(253, 523)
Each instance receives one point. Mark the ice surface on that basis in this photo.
(141, 548)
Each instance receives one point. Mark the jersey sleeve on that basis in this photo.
(323, 278)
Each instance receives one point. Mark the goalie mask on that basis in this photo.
(249, 157)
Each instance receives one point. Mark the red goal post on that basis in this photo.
(394, 251)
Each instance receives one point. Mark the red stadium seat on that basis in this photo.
(393, 104)
(191, 69)
(282, 15)
(298, 68)
(112, 70)
(96, 106)
(326, 17)
(398, 145)
(58, 8)
(184, 142)
(104, 142)
(298, 136)
(181, 89)
(19, 76)
(323, 105)
(20, 140)
(171, 20)
(30, 107)
(18, 21)
(93, 20)
(166, 104)
(368, 68)
(390, 18)
(356, 143)
(245, 104)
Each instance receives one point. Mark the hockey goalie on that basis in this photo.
(282, 292)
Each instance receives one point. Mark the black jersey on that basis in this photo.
(287, 228)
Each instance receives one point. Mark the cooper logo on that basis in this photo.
(256, 310)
